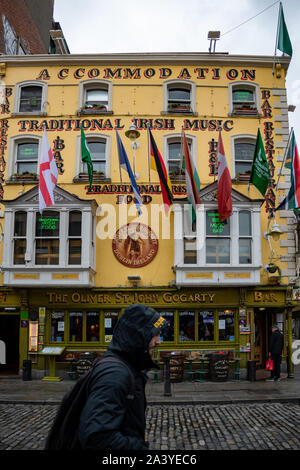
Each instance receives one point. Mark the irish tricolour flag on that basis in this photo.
(292, 200)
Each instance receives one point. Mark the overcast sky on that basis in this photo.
(101, 26)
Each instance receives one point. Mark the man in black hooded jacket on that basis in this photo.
(111, 418)
(275, 351)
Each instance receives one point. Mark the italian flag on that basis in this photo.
(292, 200)
(224, 184)
(191, 178)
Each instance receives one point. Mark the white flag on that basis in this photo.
(48, 175)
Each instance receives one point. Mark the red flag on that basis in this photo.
(224, 184)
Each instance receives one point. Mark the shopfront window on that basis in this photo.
(92, 326)
(226, 326)
(168, 333)
(75, 326)
(110, 321)
(206, 322)
(57, 326)
(186, 326)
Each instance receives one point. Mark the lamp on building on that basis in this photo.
(133, 134)
(275, 232)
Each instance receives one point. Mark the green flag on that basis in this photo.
(283, 40)
(86, 157)
(260, 172)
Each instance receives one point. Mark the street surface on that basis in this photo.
(273, 426)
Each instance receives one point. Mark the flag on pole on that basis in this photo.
(86, 157)
(283, 42)
(292, 200)
(191, 178)
(260, 171)
(224, 184)
(125, 165)
(48, 175)
(158, 165)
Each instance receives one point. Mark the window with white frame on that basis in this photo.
(173, 150)
(95, 97)
(179, 96)
(244, 98)
(245, 237)
(243, 152)
(49, 243)
(30, 98)
(23, 157)
(217, 239)
(99, 147)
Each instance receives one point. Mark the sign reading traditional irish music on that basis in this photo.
(135, 245)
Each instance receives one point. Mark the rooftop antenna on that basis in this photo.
(213, 36)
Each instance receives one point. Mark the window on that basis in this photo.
(95, 97)
(30, 97)
(47, 238)
(217, 239)
(245, 237)
(20, 237)
(92, 326)
(206, 322)
(186, 326)
(168, 333)
(243, 156)
(27, 157)
(60, 242)
(179, 97)
(226, 326)
(110, 321)
(23, 158)
(74, 237)
(99, 146)
(173, 150)
(75, 326)
(244, 98)
(189, 231)
(57, 326)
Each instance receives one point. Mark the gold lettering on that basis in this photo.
(257, 296)
(211, 296)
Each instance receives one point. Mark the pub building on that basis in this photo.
(67, 274)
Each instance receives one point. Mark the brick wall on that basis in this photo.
(22, 23)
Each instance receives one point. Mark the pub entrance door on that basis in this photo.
(262, 322)
(9, 337)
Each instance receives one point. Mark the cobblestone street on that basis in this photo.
(175, 427)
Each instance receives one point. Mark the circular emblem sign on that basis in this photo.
(135, 245)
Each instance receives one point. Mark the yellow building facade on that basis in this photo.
(67, 274)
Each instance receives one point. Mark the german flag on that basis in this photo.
(158, 165)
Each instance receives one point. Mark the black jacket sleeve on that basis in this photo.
(103, 415)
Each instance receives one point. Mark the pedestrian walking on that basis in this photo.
(275, 352)
(113, 417)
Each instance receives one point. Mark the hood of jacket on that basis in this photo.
(133, 332)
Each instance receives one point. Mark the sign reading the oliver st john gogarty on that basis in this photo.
(135, 245)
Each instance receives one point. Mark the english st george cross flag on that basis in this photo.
(224, 184)
(48, 175)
